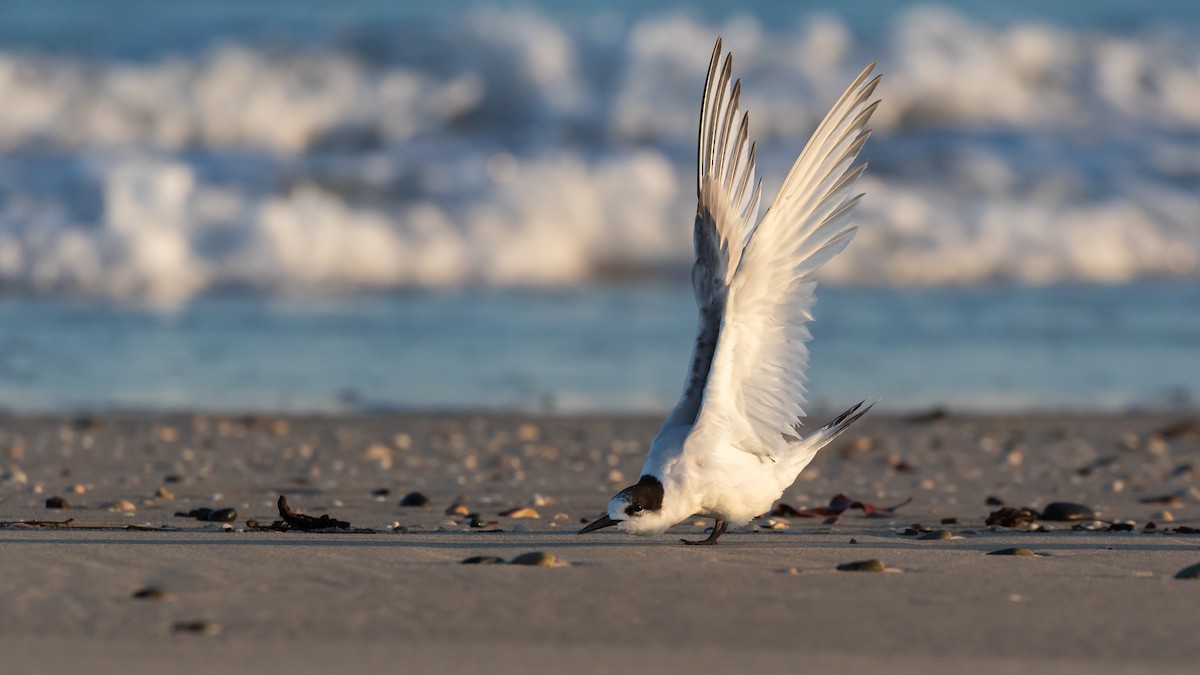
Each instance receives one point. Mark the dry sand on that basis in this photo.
(397, 600)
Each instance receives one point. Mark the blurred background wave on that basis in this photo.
(223, 186)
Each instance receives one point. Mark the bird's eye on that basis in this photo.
(638, 508)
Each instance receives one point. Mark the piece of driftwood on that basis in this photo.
(300, 521)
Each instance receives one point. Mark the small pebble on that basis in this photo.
(522, 527)
(414, 499)
(483, 560)
(1023, 552)
(380, 453)
(151, 593)
(1185, 469)
(535, 559)
(57, 503)
(77, 488)
(164, 493)
(528, 432)
(197, 627)
(1011, 517)
(1067, 511)
(226, 515)
(937, 534)
(949, 521)
(381, 492)
(1189, 572)
(994, 501)
(457, 509)
(120, 505)
(1166, 500)
(862, 566)
(520, 512)
(1181, 429)
(87, 422)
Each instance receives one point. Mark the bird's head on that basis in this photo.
(637, 509)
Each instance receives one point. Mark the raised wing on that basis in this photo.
(727, 206)
(755, 392)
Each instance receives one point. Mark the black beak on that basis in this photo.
(600, 523)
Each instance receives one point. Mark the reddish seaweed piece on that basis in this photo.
(304, 522)
(787, 510)
(872, 511)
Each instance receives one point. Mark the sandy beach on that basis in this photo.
(367, 232)
(390, 593)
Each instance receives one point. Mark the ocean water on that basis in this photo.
(618, 348)
(320, 206)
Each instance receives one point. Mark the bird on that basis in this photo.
(733, 443)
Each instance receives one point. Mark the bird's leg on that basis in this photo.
(718, 530)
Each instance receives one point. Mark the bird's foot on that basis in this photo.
(718, 530)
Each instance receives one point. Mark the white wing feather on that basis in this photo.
(754, 391)
(728, 198)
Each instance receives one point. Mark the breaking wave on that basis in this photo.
(530, 148)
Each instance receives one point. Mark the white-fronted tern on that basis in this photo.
(732, 445)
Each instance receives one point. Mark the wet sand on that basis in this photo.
(765, 600)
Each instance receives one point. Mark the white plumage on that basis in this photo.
(732, 446)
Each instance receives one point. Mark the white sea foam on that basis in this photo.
(536, 150)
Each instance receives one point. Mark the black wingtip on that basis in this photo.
(842, 418)
(843, 421)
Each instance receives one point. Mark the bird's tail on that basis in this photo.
(806, 448)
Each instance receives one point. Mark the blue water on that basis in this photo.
(615, 348)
